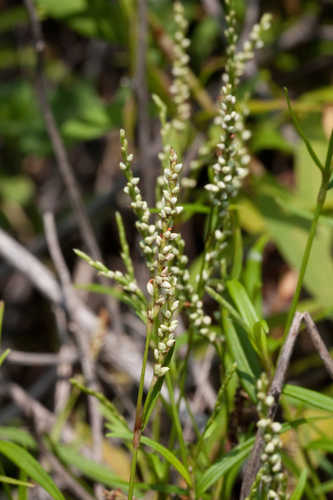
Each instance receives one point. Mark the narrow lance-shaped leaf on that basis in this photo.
(329, 159)
(302, 135)
(29, 464)
(298, 491)
(248, 366)
(310, 398)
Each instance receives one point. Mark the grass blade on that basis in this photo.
(329, 155)
(301, 134)
(308, 397)
(169, 456)
(248, 366)
(29, 464)
(243, 303)
(298, 491)
(95, 471)
(217, 470)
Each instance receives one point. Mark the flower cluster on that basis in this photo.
(139, 206)
(164, 284)
(254, 42)
(272, 477)
(179, 88)
(232, 158)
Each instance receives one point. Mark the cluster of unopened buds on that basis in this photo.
(165, 282)
(272, 476)
(179, 88)
(139, 206)
(253, 43)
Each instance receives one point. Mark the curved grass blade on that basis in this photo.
(308, 397)
(248, 365)
(95, 471)
(329, 155)
(162, 450)
(217, 470)
(301, 134)
(15, 482)
(298, 491)
(29, 464)
(169, 456)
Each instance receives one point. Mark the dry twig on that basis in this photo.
(82, 340)
(276, 387)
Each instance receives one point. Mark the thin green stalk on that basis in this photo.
(175, 415)
(320, 202)
(138, 414)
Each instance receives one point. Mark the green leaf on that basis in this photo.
(252, 272)
(4, 356)
(61, 8)
(15, 482)
(162, 450)
(255, 326)
(248, 366)
(243, 303)
(22, 493)
(6, 488)
(25, 461)
(222, 466)
(310, 398)
(12, 18)
(329, 155)
(301, 133)
(95, 471)
(321, 444)
(169, 456)
(19, 436)
(195, 208)
(225, 304)
(16, 188)
(298, 491)
(290, 233)
(237, 262)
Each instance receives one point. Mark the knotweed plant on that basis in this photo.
(172, 305)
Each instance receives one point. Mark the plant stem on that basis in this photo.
(176, 420)
(320, 202)
(138, 414)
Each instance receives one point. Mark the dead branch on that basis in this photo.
(119, 350)
(276, 387)
(81, 338)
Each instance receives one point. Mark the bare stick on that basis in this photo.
(275, 390)
(40, 359)
(81, 338)
(318, 343)
(120, 350)
(276, 387)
